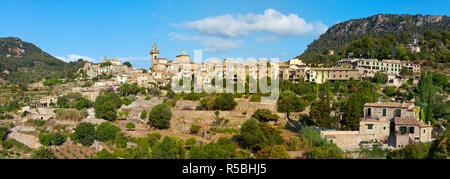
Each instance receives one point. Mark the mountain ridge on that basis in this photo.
(340, 35)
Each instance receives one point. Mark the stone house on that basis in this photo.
(393, 124)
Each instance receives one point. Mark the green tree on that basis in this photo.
(160, 116)
(321, 112)
(224, 148)
(130, 126)
(273, 152)
(143, 115)
(127, 63)
(85, 133)
(169, 148)
(328, 151)
(265, 115)
(389, 91)
(290, 102)
(379, 77)
(106, 131)
(258, 135)
(58, 139)
(106, 104)
(440, 147)
(411, 151)
(225, 102)
(104, 154)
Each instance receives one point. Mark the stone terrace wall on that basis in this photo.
(346, 139)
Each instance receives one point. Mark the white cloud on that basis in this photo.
(270, 39)
(74, 57)
(271, 21)
(211, 44)
(131, 59)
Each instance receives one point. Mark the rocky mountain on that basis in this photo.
(340, 35)
(23, 62)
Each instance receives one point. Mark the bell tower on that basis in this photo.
(154, 55)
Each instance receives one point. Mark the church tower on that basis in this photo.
(154, 55)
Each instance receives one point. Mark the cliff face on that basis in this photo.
(340, 35)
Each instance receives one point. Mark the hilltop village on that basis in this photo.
(360, 108)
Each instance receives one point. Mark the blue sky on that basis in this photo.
(71, 29)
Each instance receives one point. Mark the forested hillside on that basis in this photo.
(23, 62)
(395, 29)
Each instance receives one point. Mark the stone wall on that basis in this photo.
(346, 139)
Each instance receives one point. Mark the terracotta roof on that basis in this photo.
(389, 104)
(408, 121)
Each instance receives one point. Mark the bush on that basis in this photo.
(169, 148)
(310, 137)
(224, 148)
(258, 135)
(265, 115)
(160, 116)
(143, 115)
(225, 102)
(194, 129)
(85, 133)
(190, 142)
(121, 140)
(294, 143)
(58, 139)
(130, 126)
(3, 133)
(105, 105)
(45, 139)
(273, 152)
(328, 151)
(43, 153)
(104, 154)
(106, 131)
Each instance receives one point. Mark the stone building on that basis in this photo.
(321, 75)
(392, 124)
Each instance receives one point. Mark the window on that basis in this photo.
(384, 112)
(369, 126)
(411, 130)
(402, 129)
(424, 131)
(398, 113)
(384, 128)
(369, 112)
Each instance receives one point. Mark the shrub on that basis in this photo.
(294, 143)
(104, 154)
(310, 137)
(258, 135)
(143, 115)
(190, 142)
(160, 116)
(45, 139)
(106, 131)
(85, 133)
(273, 152)
(169, 148)
(225, 102)
(130, 126)
(121, 140)
(265, 115)
(58, 139)
(194, 129)
(43, 153)
(327, 151)
(224, 148)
